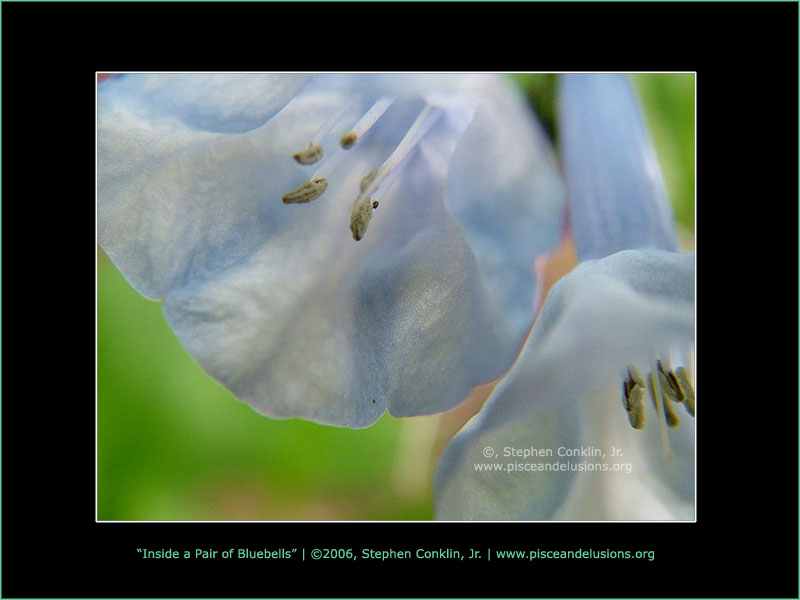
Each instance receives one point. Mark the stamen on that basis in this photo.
(672, 387)
(359, 219)
(656, 394)
(314, 151)
(310, 155)
(318, 183)
(307, 191)
(682, 379)
(633, 388)
(350, 138)
(362, 207)
(673, 420)
(669, 394)
(666, 387)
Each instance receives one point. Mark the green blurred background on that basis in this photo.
(172, 444)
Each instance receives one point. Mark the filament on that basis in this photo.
(351, 137)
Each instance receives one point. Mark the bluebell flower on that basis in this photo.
(595, 420)
(330, 247)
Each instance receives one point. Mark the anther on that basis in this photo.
(666, 387)
(633, 388)
(676, 385)
(307, 191)
(310, 155)
(682, 379)
(667, 398)
(348, 140)
(359, 219)
(351, 137)
(314, 151)
(670, 392)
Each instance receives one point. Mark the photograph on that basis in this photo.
(404, 312)
(460, 296)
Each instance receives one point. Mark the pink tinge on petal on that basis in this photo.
(552, 266)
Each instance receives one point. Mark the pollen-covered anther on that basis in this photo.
(673, 389)
(351, 136)
(314, 151)
(310, 155)
(359, 219)
(666, 388)
(633, 389)
(362, 209)
(666, 399)
(682, 381)
(307, 191)
(348, 140)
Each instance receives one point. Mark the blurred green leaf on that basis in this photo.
(668, 101)
(175, 445)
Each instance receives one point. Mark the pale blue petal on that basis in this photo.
(277, 301)
(564, 391)
(616, 193)
(505, 192)
(219, 103)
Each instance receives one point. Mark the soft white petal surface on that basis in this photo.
(219, 103)
(564, 391)
(278, 302)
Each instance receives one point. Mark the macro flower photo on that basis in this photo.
(395, 297)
